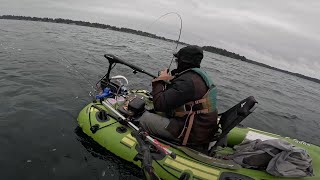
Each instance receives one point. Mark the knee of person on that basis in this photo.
(143, 121)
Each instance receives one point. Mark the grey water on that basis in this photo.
(46, 73)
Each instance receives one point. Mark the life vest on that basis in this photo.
(207, 104)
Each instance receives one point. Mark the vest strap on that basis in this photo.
(199, 101)
(190, 120)
(201, 106)
(186, 136)
(183, 113)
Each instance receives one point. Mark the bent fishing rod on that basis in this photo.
(180, 29)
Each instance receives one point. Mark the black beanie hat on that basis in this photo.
(191, 54)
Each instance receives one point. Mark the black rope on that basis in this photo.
(90, 116)
(166, 170)
(107, 125)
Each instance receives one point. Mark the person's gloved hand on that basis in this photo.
(163, 76)
(163, 72)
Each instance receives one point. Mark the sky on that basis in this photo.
(284, 34)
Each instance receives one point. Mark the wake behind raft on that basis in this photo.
(112, 121)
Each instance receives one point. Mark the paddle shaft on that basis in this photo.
(152, 141)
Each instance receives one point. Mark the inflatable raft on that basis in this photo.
(102, 122)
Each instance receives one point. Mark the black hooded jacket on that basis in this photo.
(185, 87)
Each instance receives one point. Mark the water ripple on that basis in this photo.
(43, 92)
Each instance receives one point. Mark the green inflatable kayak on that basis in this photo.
(102, 120)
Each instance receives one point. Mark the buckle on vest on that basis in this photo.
(187, 107)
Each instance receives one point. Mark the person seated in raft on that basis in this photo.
(189, 101)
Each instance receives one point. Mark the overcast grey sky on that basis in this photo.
(283, 34)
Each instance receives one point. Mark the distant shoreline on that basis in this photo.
(212, 49)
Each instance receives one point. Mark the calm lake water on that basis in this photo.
(42, 90)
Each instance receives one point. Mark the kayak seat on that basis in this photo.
(230, 119)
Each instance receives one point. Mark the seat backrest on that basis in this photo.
(231, 118)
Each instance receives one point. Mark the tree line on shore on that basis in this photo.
(212, 49)
(85, 23)
(122, 29)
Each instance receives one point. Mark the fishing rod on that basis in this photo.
(180, 30)
(113, 59)
(148, 138)
(143, 146)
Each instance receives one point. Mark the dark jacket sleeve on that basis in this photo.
(180, 91)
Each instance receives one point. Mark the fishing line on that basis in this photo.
(73, 66)
(90, 84)
(178, 40)
(76, 70)
(95, 60)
